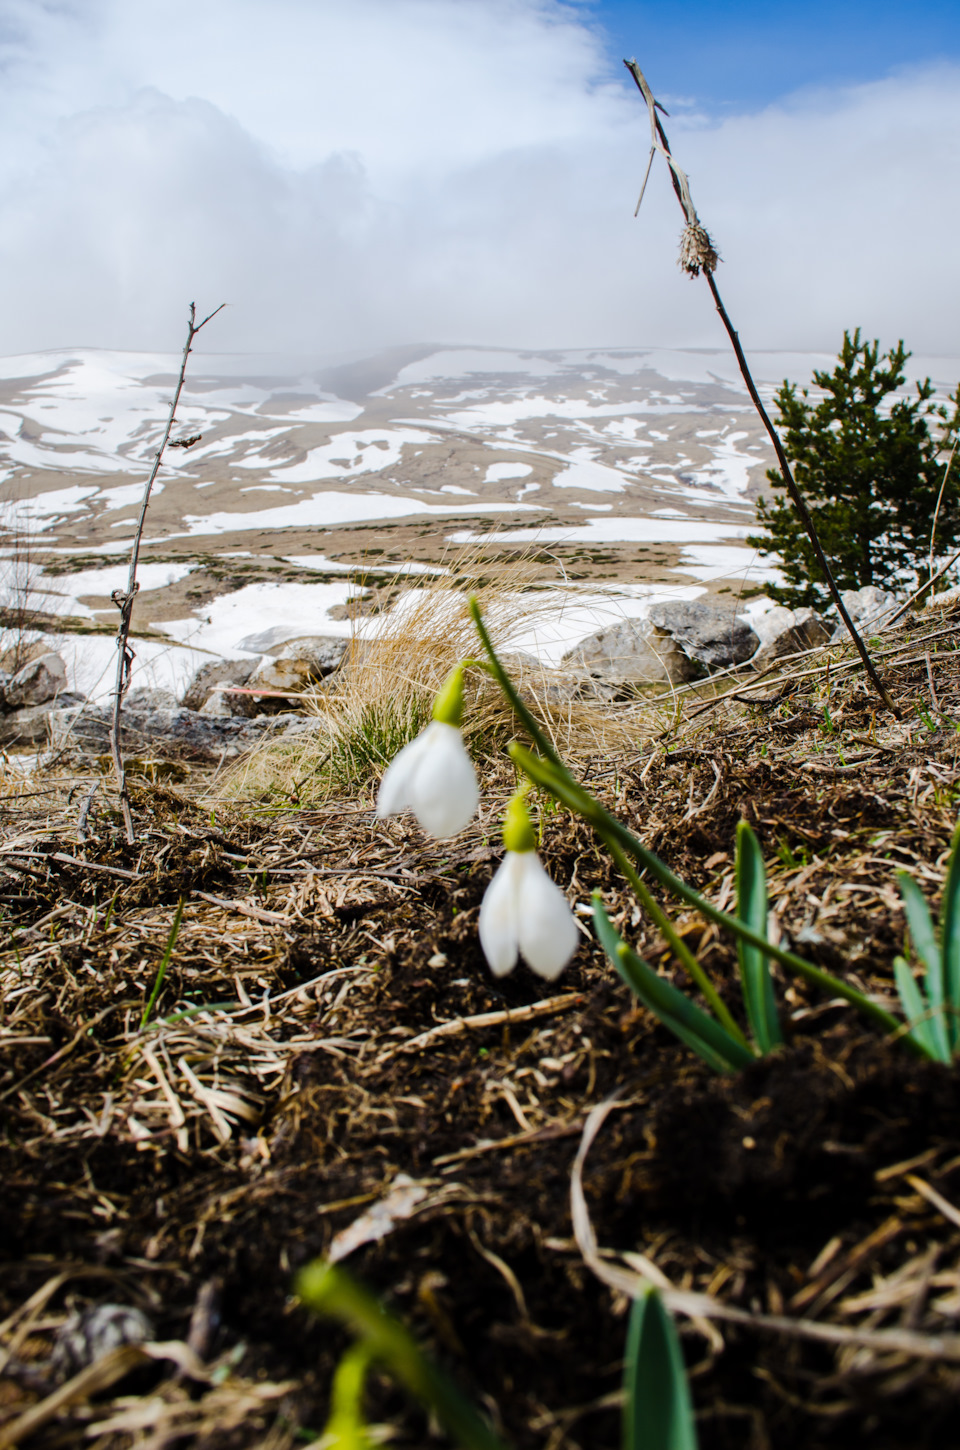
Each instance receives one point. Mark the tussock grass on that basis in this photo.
(397, 661)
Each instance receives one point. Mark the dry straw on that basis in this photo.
(397, 662)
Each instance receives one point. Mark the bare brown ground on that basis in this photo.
(315, 1037)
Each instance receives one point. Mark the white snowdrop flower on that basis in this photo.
(524, 913)
(434, 776)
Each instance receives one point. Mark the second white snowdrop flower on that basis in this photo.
(434, 776)
(524, 913)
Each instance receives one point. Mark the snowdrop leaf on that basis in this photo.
(925, 945)
(565, 789)
(917, 1012)
(329, 1290)
(950, 941)
(754, 964)
(657, 1413)
(684, 1018)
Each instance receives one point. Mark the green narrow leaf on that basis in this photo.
(755, 965)
(950, 941)
(564, 789)
(657, 1412)
(692, 1025)
(328, 1289)
(346, 1429)
(917, 1013)
(164, 964)
(925, 945)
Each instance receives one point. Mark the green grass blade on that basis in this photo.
(328, 1290)
(950, 941)
(692, 1025)
(755, 965)
(657, 1412)
(925, 945)
(918, 1014)
(164, 964)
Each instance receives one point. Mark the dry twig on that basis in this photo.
(123, 598)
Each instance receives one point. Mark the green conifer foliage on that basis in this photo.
(870, 466)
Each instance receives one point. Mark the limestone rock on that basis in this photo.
(712, 636)
(34, 724)
(633, 652)
(327, 652)
(41, 680)
(297, 668)
(785, 631)
(946, 600)
(200, 691)
(159, 730)
(868, 607)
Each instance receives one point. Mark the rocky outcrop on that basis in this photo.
(32, 725)
(217, 672)
(28, 698)
(291, 667)
(153, 723)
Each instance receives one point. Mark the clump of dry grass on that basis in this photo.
(396, 665)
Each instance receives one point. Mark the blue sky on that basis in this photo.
(352, 176)
(727, 56)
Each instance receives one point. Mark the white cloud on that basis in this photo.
(352, 176)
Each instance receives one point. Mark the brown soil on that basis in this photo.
(281, 1091)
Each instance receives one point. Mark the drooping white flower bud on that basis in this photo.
(523, 912)
(434, 776)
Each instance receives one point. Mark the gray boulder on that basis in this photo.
(218, 672)
(327, 651)
(631, 653)
(34, 724)
(711, 636)
(296, 668)
(41, 680)
(869, 608)
(785, 631)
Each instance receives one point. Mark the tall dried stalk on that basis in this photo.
(698, 253)
(123, 599)
(936, 512)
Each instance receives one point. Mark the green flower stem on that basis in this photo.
(679, 947)
(552, 774)
(571, 794)
(543, 744)
(329, 1290)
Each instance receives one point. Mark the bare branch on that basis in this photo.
(123, 599)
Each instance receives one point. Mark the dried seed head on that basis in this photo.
(697, 250)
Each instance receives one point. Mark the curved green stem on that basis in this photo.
(543, 744)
